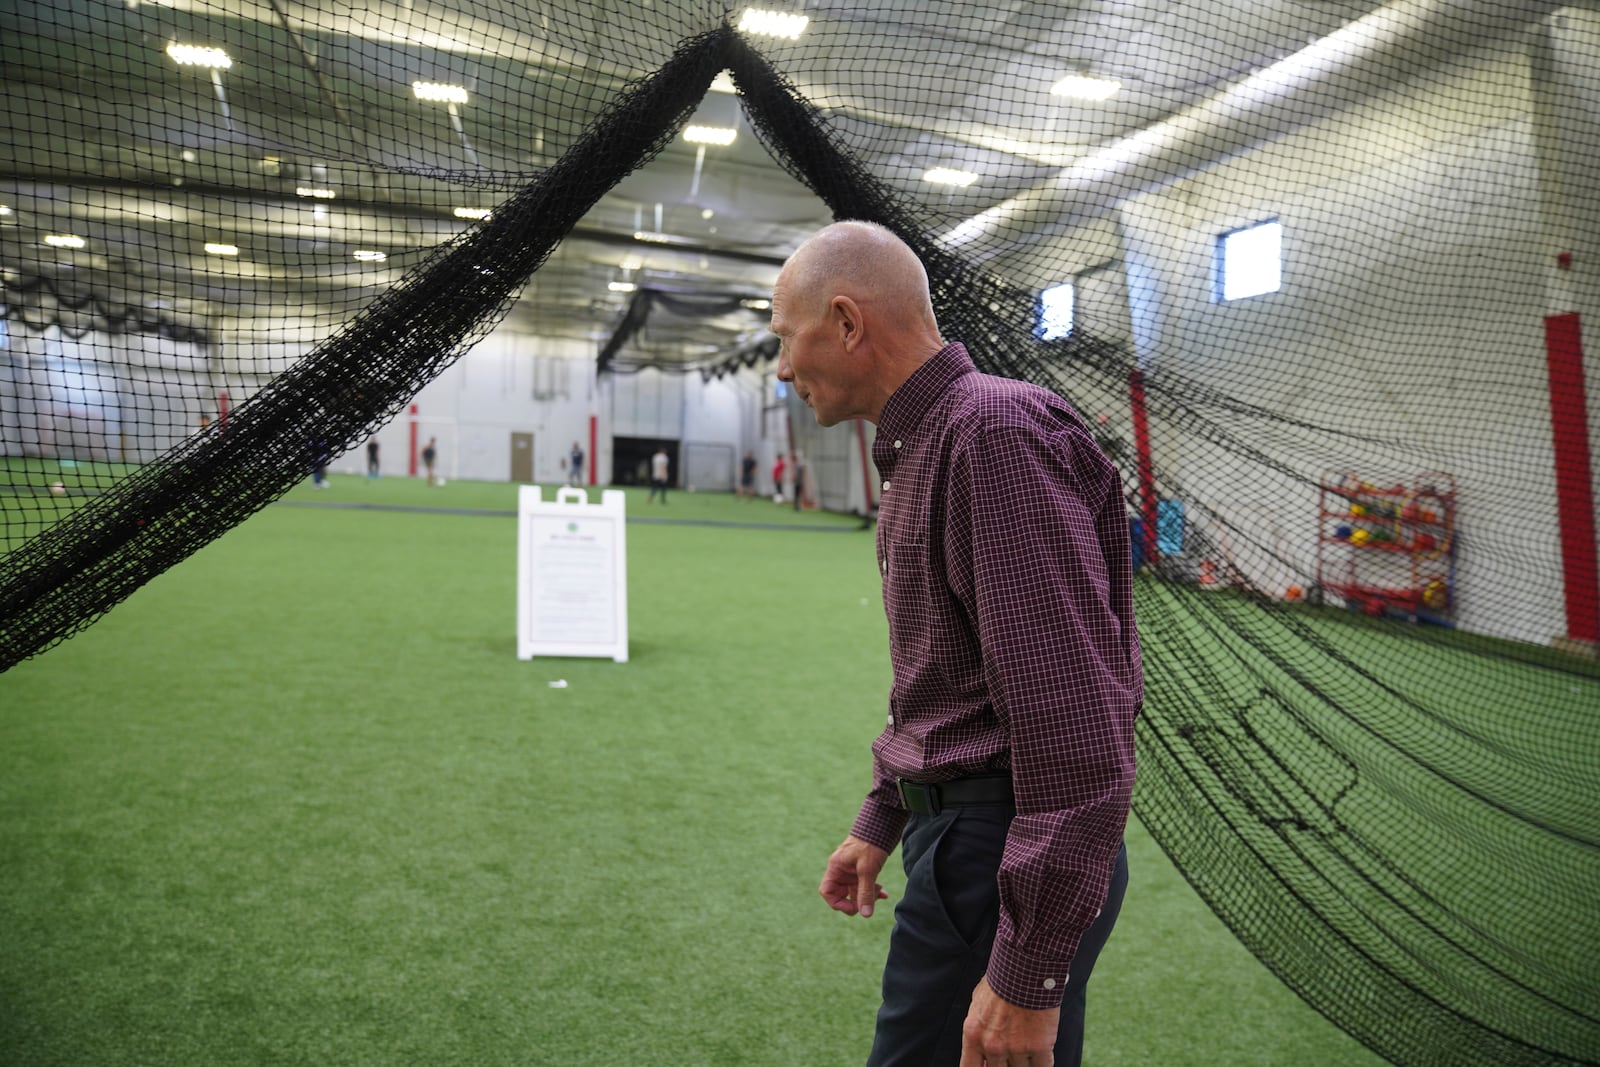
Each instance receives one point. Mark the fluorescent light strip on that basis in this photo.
(946, 176)
(194, 55)
(438, 92)
(651, 236)
(723, 83)
(631, 263)
(320, 194)
(63, 240)
(717, 135)
(4, 210)
(772, 23)
(471, 212)
(368, 255)
(222, 250)
(1084, 87)
(621, 287)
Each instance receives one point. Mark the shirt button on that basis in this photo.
(891, 720)
(897, 444)
(885, 486)
(1049, 983)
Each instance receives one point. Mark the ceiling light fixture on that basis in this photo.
(193, 55)
(717, 135)
(756, 305)
(631, 263)
(772, 23)
(368, 255)
(1085, 87)
(439, 92)
(723, 83)
(946, 176)
(654, 237)
(471, 212)
(4, 210)
(63, 240)
(621, 287)
(221, 249)
(320, 194)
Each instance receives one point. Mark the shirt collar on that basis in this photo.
(902, 412)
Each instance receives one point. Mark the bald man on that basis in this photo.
(1006, 767)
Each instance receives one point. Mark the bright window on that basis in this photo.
(1055, 311)
(1250, 261)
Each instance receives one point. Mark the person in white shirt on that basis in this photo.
(660, 472)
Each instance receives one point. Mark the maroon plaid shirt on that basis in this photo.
(1003, 545)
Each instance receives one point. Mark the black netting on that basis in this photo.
(1362, 487)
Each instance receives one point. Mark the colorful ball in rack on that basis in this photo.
(1360, 537)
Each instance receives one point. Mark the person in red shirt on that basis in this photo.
(1005, 771)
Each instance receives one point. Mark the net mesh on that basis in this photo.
(1358, 469)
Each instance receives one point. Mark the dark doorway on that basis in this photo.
(630, 460)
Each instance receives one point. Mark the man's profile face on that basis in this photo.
(808, 356)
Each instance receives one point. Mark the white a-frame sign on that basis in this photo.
(572, 574)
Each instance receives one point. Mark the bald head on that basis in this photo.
(852, 313)
(866, 262)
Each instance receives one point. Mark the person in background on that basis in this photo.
(799, 481)
(777, 479)
(660, 474)
(1005, 771)
(575, 465)
(320, 456)
(372, 457)
(747, 475)
(430, 457)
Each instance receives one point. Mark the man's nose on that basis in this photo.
(785, 372)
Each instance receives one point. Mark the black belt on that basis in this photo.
(930, 798)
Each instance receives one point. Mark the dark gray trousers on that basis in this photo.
(944, 929)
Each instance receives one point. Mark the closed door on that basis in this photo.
(522, 458)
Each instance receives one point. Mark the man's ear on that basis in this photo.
(846, 320)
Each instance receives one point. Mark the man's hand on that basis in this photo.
(997, 1033)
(850, 883)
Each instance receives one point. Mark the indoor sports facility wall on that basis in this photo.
(1328, 348)
(1360, 463)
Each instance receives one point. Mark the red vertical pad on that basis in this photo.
(1569, 424)
(1141, 449)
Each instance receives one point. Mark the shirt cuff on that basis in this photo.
(1024, 980)
(880, 825)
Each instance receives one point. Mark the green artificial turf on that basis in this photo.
(297, 802)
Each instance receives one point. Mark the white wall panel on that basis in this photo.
(1463, 201)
